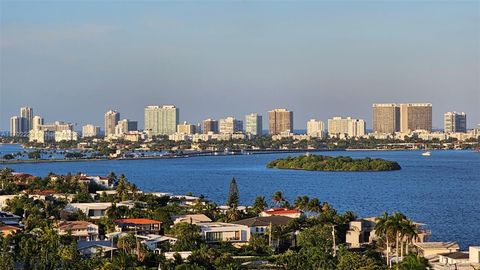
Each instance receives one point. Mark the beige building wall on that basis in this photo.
(111, 120)
(210, 125)
(280, 120)
(386, 118)
(415, 116)
(315, 128)
(186, 128)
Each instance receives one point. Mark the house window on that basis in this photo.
(214, 236)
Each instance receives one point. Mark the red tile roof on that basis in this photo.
(278, 211)
(43, 192)
(136, 221)
(9, 228)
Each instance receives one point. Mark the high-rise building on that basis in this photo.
(186, 128)
(161, 120)
(315, 128)
(415, 116)
(230, 125)
(90, 130)
(455, 122)
(37, 121)
(15, 127)
(124, 126)
(253, 124)
(346, 127)
(210, 126)
(111, 120)
(386, 118)
(27, 114)
(58, 131)
(280, 120)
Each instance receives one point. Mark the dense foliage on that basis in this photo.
(340, 163)
(316, 240)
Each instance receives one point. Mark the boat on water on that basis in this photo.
(427, 154)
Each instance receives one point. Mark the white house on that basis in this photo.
(94, 210)
(226, 232)
(192, 219)
(80, 230)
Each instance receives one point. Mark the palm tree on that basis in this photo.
(394, 224)
(127, 243)
(382, 229)
(278, 198)
(409, 231)
(301, 202)
(314, 205)
(259, 205)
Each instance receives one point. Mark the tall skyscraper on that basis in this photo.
(455, 122)
(230, 125)
(253, 124)
(161, 120)
(111, 120)
(415, 116)
(90, 130)
(37, 121)
(338, 127)
(280, 120)
(209, 125)
(386, 118)
(27, 114)
(315, 128)
(15, 127)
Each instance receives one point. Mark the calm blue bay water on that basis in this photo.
(442, 190)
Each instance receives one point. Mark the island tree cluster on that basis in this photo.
(327, 163)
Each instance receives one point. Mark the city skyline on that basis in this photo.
(222, 59)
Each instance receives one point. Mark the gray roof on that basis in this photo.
(455, 255)
(264, 221)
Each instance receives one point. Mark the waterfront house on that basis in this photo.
(260, 225)
(224, 208)
(224, 232)
(453, 258)
(4, 199)
(461, 260)
(94, 210)
(91, 248)
(138, 225)
(432, 249)
(292, 213)
(192, 219)
(362, 232)
(183, 254)
(154, 241)
(8, 218)
(101, 181)
(80, 230)
(8, 230)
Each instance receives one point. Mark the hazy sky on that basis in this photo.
(72, 61)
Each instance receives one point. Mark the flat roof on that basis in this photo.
(435, 245)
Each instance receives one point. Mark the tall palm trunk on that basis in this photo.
(406, 248)
(388, 251)
(401, 249)
(396, 250)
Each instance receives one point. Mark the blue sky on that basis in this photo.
(72, 61)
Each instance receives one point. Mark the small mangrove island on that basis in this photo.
(334, 164)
